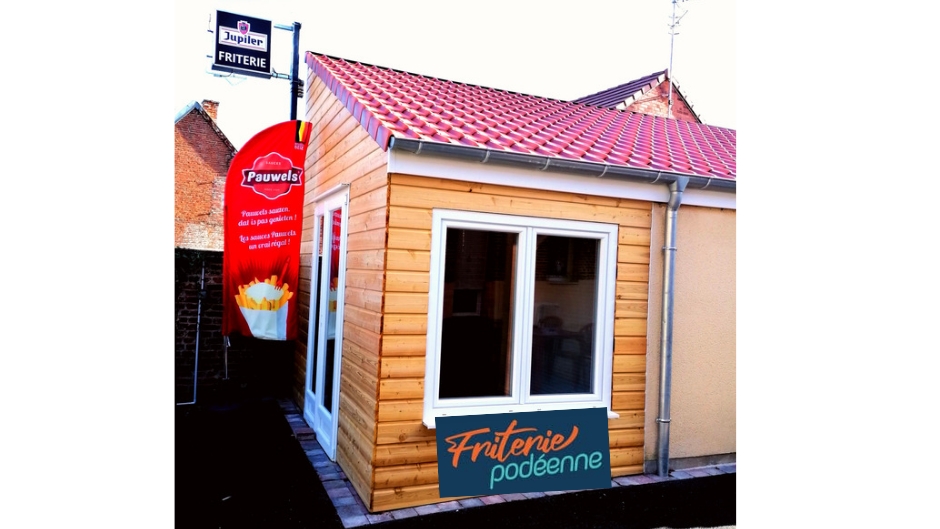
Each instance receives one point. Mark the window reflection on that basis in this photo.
(477, 314)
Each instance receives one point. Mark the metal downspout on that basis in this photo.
(202, 292)
(665, 384)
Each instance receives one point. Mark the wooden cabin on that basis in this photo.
(468, 250)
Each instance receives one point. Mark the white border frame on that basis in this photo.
(526, 228)
(335, 198)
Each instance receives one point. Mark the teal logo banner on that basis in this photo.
(480, 455)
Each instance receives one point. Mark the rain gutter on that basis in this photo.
(556, 165)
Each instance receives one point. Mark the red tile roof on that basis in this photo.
(640, 95)
(392, 103)
(612, 97)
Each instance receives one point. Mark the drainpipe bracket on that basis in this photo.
(681, 183)
(663, 420)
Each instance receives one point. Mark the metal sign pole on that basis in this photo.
(295, 83)
(233, 51)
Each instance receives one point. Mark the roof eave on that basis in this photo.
(186, 110)
(559, 165)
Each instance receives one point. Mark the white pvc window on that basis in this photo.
(520, 314)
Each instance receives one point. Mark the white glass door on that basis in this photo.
(324, 337)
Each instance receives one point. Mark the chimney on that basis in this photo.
(211, 108)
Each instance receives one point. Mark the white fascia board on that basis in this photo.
(439, 167)
(709, 199)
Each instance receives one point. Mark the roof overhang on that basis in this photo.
(433, 159)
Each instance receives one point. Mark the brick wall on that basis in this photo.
(202, 160)
(656, 102)
(255, 367)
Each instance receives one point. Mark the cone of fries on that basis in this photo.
(264, 306)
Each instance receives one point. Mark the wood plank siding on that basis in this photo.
(405, 457)
(383, 447)
(342, 152)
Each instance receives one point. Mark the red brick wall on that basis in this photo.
(656, 102)
(202, 161)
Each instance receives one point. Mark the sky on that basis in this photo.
(538, 48)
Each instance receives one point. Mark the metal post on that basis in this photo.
(294, 81)
(672, 39)
(202, 294)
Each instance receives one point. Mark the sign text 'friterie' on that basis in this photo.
(523, 452)
(242, 45)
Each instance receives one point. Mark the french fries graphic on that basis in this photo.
(263, 295)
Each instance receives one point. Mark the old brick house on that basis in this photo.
(202, 155)
(646, 95)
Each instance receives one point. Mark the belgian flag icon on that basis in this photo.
(302, 134)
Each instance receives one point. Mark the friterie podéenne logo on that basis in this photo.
(538, 451)
(272, 176)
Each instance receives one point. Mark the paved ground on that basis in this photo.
(257, 464)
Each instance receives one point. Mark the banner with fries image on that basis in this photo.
(263, 218)
(264, 305)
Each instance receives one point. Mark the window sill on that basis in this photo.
(430, 424)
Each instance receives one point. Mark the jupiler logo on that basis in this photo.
(242, 37)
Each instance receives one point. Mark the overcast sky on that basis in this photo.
(538, 48)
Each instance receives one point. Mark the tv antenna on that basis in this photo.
(673, 24)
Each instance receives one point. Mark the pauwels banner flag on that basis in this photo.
(263, 217)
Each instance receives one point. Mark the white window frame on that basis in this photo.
(527, 229)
